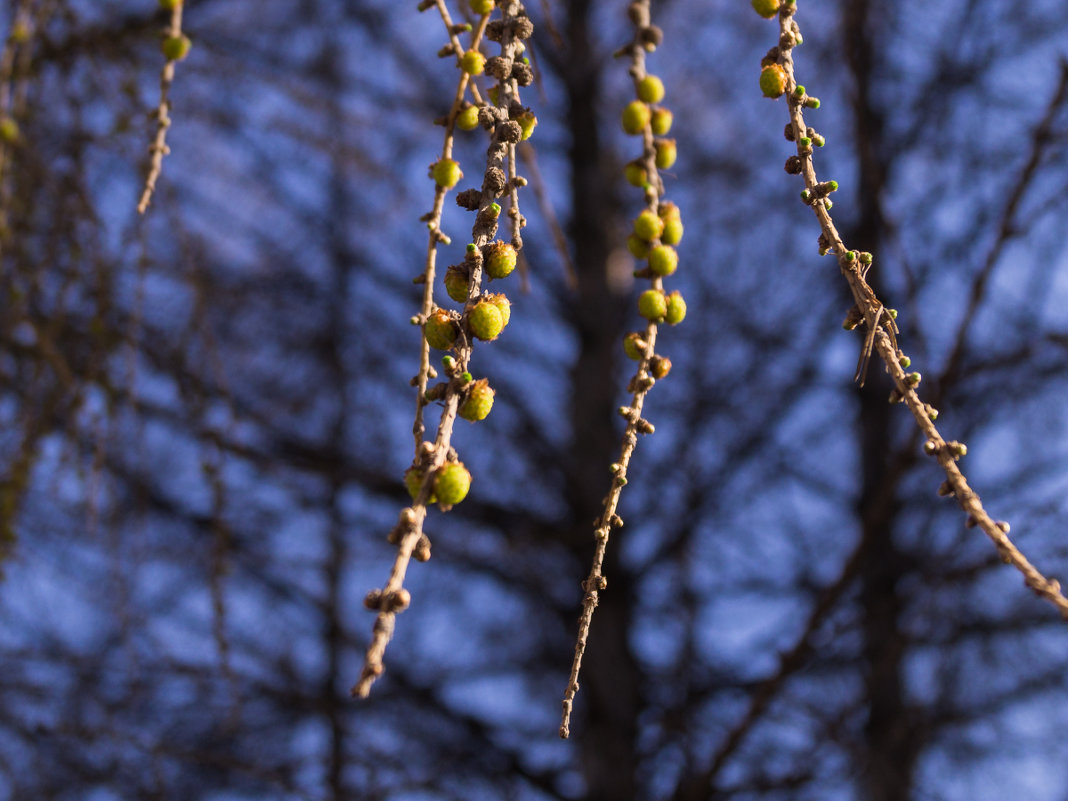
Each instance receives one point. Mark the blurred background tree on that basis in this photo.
(206, 416)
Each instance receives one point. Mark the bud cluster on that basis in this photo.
(656, 231)
(436, 474)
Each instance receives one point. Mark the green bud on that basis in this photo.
(661, 121)
(635, 174)
(637, 246)
(648, 226)
(446, 173)
(440, 330)
(666, 153)
(675, 312)
(457, 282)
(663, 260)
(766, 8)
(452, 483)
(652, 305)
(527, 122)
(484, 320)
(773, 81)
(413, 481)
(672, 231)
(500, 260)
(504, 306)
(479, 401)
(650, 89)
(636, 116)
(473, 62)
(175, 48)
(634, 345)
(467, 120)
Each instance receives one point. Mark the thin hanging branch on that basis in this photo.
(657, 229)
(14, 67)
(777, 79)
(175, 47)
(436, 474)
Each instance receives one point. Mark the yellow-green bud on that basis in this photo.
(456, 283)
(413, 480)
(636, 116)
(773, 81)
(473, 62)
(663, 260)
(634, 345)
(635, 174)
(175, 48)
(440, 330)
(500, 260)
(672, 231)
(650, 89)
(637, 246)
(661, 121)
(648, 226)
(481, 7)
(485, 321)
(479, 401)
(452, 483)
(467, 120)
(446, 173)
(766, 8)
(676, 308)
(527, 122)
(666, 153)
(169, 5)
(504, 306)
(652, 305)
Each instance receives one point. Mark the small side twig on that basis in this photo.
(175, 47)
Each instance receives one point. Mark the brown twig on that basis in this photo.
(645, 38)
(408, 534)
(159, 148)
(881, 331)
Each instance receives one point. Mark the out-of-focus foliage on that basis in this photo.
(205, 417)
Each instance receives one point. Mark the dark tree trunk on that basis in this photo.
(888, 753)
(608, 702)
